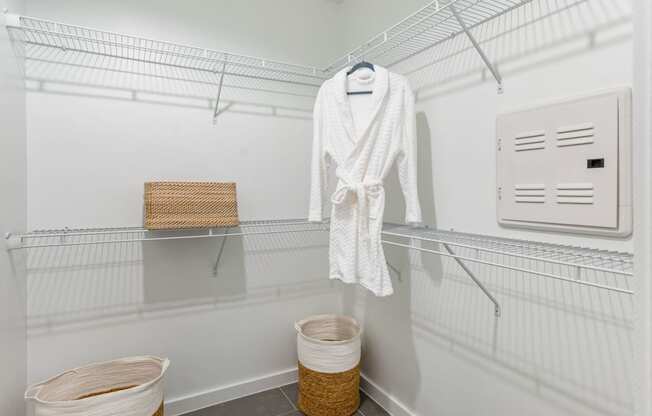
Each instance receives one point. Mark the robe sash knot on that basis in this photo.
(369, 199)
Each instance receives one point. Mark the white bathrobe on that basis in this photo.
(363, 140)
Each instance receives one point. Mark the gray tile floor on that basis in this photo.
(277, 402)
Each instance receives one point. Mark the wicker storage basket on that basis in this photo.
(125, 387)
(173, 205)
(329, 365)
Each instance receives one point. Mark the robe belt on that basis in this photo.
(369, 189)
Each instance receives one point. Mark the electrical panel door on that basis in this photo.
(566, 166)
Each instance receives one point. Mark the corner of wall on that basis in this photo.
(643, 201)
(12, 219)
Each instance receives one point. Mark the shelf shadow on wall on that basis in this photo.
(182, 271)
(567, 345)
(81, 287)
(570, 346)
(534, 35)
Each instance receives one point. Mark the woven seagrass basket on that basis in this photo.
(174, 205)
(329, 365)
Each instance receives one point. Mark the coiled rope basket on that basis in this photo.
(125, 387)
(329, 365)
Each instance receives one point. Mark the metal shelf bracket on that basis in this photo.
(13, 242)
(450, 253)
(491, 66)
(216, 265)
(217, 112)
(497, 310)
(11, 20)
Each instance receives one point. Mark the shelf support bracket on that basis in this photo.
(11, 19)
(482, 287)
(492, 68)
(13, 242)
(220, 252)
(395, 270)
(225, 108)
(216, 112)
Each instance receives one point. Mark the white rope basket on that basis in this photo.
(125, 387)
(328, 343)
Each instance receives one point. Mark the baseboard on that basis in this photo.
(180, 405)
(388, 402)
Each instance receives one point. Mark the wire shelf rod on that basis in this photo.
(553, 249)
(260, 227)
(234, 69)
(208, 70)
(180, 237)
(436, 22)
(437, 7)
(520, 244)
(437, 25)
(558, 250)
(453, 33)
(453, 240)
(514, 268)
(141, 39)
(131, 230)
(494, 251)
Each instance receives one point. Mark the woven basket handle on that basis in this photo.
(299, 324)
(33, 391)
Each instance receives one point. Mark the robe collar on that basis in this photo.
(380, 89)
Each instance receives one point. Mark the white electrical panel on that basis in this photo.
(567, 166)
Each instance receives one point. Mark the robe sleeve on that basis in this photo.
(319, 168)
(407, 161)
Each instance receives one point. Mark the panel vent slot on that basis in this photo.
(576, 135)
(533, 140)
(575, 193)
(530, 193)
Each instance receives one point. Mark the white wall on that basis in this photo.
(91, 147)
(361, 20)
(558, 349)
(12, 219)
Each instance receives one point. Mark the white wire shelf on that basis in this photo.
(437, 22)
(599, 269)
(47, 42)
(94, 236)
(595, 268)
(44, 42)
(40, 33)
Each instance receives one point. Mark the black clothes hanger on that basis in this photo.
(360, 65)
